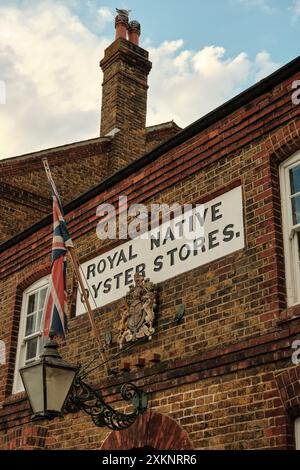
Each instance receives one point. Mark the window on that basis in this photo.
(297, 433)
(30, 339)
(290, 187)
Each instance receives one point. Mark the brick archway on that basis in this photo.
(150, 430)
(28, 437)
(288, 383)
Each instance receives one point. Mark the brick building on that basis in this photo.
(223, 377)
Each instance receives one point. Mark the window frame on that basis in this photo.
(19, 362)
(290, 241)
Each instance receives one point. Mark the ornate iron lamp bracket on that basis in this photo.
(84, 398)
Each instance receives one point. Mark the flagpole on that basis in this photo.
(76, 268)
(87, 304)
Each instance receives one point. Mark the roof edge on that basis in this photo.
(163, 126)
(59, 148)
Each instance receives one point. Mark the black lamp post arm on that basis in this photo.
(84, 397)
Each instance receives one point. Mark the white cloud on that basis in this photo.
(185, 84)
(295, 9)
(265, 65)
(105, 14)
(103, 18)
(49, 62)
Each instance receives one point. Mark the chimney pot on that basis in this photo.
(134, 32)
(121, 25)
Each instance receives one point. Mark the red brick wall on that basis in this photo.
(15, 217)
(218, 369)
(24, 191)
(76, 169)
(155, 135)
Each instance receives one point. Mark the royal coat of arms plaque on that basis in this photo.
(139, 313)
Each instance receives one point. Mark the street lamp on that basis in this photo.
(55, 387)
(47, 382)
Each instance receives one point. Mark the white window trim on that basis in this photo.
(17, 384)
(292, 272)
(297, 433)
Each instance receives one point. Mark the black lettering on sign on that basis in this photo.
(158, 263)
(201, 218)
(91, 270)
(199, 244)
(180, 225)
(141, 269)
(128, 276)
(131, 254)
(101, 266)
(155, 241)
(117, 277)
(122, 257)
(111, 259)
(96, 289)
(212, 239)
(171, 254)
(107, 286)
(228, 233)
(215, 211)
(184, 252)
(169, 235)
(191, 223)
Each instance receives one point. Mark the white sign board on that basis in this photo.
(160, 255)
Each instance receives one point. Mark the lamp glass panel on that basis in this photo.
(58, 382)
(33, 382)
(297, 433)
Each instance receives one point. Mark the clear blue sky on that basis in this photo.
(238, 25)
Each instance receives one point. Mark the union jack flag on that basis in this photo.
(54, 315)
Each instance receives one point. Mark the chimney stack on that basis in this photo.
(121, 25)
(125, 69)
